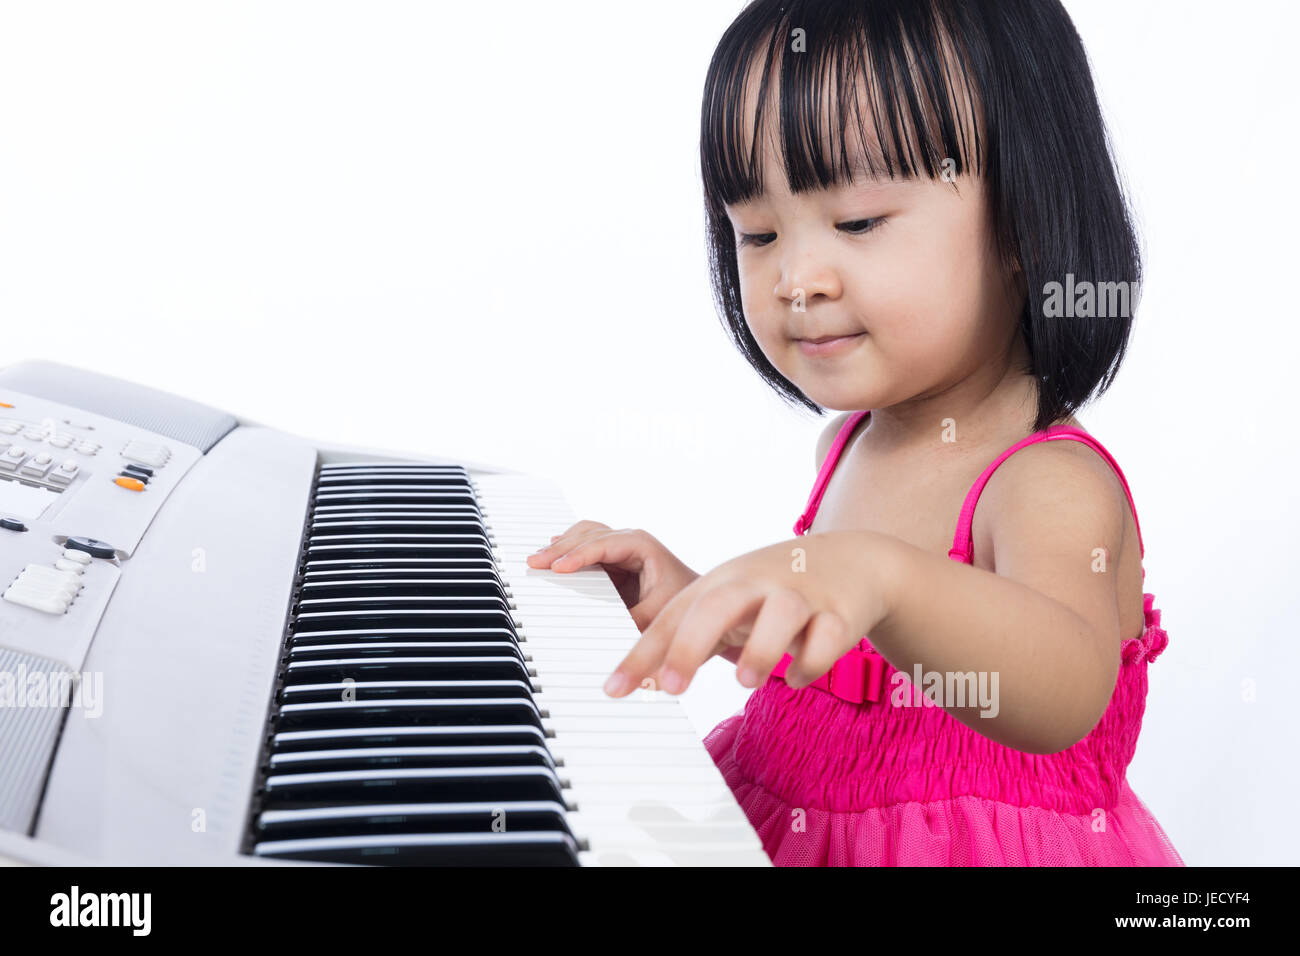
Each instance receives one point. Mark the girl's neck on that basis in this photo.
(996, 404)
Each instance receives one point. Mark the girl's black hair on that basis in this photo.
(1001, 88)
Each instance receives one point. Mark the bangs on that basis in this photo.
(874, 90)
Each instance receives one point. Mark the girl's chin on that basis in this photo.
(847, 396)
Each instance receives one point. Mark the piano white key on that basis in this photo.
(656, 791)
(573, 661)
(592, 738)
(563, 645)
(543, 631)
(627, 833)
(602, 663)
(645, 789)
(615, 756)
(700, 856)
(560, 709)
(714, 844)
(582, 689)
(706, 779)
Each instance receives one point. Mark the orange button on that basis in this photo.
(134, 484)
(5, 405)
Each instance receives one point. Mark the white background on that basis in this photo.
(479, 232)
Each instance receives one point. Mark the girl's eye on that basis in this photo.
(859, 227)
(856, 227)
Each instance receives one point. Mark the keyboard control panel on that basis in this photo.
(77, 492)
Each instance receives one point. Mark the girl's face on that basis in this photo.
(902, 272)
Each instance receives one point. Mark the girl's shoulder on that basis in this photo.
(827, 437)
(1055, 491)
(1067, 465)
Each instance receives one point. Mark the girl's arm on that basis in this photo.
(1046, 622)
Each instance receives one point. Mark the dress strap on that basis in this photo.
(962, 543)
(819, 486)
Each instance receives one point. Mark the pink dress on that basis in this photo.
(836, 775)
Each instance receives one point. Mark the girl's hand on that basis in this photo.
(646, 574)
(812, 597)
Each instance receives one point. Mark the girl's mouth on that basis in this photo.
(833, 345)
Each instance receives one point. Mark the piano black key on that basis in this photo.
(520, 735)
(423, 511)
(436, 849)
(404, 602)
(325, 715)
(449, 482)
(432, 784)
(398, 617)
(380, 691)
(401, 542)
(372, 530)
(379, 635)
(335, 548)
(380, 758)
(511, 816)
(397, 512)
(377, 495)
(406, 668)
(384, 587)
(384, 474)
(314, 568)
(340, 467)
(395, 648)
(325, 579)
(377, 522)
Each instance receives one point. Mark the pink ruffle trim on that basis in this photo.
(959, 831)
(1153, 638)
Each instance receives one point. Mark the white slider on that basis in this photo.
(37, 600)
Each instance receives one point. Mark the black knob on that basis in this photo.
(12, 524)
(96, 549)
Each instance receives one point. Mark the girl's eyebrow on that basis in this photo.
(874, 182)
(871, 176)
(864, 183)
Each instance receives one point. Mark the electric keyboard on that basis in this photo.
(224, 644)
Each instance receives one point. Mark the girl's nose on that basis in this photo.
(805, 275)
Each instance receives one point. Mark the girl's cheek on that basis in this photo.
(774, 345)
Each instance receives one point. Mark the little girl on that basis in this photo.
(912, 212)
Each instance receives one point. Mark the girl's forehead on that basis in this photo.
(863, 171)
(844, 114)
(844, 128)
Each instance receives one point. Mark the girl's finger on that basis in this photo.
(565, 541)
(640, 663)
(822, 645)
(578, 527)
(647, 654)
(616, 548)
(714, 613)
(783, 616)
